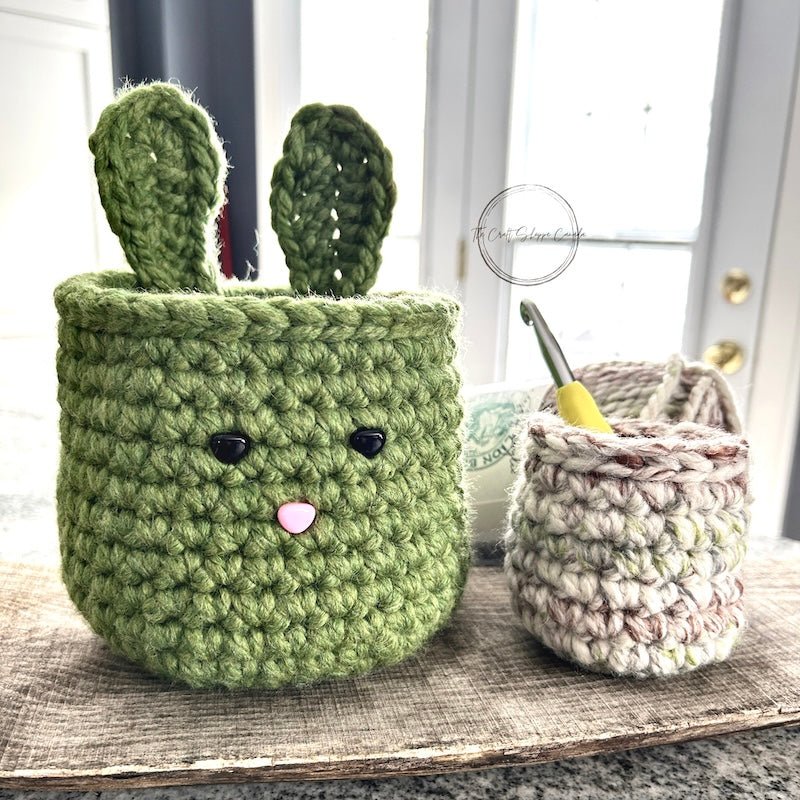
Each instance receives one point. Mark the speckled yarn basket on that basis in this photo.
(677, 390)
(258, 487)
(623, 550)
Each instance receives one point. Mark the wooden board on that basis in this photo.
(483, 694)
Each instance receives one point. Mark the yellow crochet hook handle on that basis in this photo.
(577, 407)
(575, 403)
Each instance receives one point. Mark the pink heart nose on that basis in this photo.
(296, 517)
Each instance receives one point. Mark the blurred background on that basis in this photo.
(670, 127)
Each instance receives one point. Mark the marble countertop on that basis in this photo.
(762, 765)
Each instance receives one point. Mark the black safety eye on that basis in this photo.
(229, 448)
(368, 441)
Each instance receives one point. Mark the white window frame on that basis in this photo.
(752, 184)
(774, 415)
(746, 165)
(751, 180)
(276, 55)
(470, 67)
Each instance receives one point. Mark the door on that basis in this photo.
(664, 127)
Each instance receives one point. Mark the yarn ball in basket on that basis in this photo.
(257, 487)
(623, 550)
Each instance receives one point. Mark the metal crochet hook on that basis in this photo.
(575, 403)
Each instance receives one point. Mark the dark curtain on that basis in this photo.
(207, 45)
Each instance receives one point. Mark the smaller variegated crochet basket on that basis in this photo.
(623, 550)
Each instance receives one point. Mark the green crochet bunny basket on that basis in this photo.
(257, 487)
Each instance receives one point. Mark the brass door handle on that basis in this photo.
(736, 286)
(726, 355)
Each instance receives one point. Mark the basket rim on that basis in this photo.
(638, 448)
(111, 302)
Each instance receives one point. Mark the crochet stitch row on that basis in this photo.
(111, 303)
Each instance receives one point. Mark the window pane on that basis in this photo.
(613, 302)
(400, 266)
(612, 107)
(377, 63)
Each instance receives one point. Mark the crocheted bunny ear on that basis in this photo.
(332, 200)
(161, 169)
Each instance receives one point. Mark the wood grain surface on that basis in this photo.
(482, 694)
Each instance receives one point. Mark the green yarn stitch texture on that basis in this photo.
(160, 170)
(332, 200)
(177, 559)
